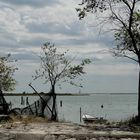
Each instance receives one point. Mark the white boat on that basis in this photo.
(89, 118)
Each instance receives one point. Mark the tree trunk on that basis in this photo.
(139, 94)
(3, 103)
(54, 111)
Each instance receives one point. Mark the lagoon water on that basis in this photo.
(116, 107)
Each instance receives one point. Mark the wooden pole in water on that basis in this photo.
(61, 103)
(27, 102)
(22, 100)
(36, 108)
(80, 114)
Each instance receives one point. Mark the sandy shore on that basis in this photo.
(63, 131)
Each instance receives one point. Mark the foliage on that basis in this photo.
(91, 6)
(57, 68)
(130, 124)
(100, 6)
(129, 40)
(124, 16)
(7, 82)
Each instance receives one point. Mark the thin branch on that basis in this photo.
(127, 4)
(131, 58)
(58, 75)
(119, 54)
(116, 16)
(39, 96)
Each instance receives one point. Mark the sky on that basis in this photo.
(25, 25)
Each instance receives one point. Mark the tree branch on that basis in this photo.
(119, 54)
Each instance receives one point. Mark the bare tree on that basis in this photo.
(56, 68)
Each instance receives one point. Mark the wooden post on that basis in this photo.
(22, 100)
(36, 109)
(37, 103)
(80, 114)
(27, 102)
(60, 103)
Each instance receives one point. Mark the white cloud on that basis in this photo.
(10, 21)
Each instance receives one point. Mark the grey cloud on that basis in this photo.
(36, 42)
(25, 56)
(7, 42)
(32, 3)
(22, 55)
(54, 28)
(85, 41)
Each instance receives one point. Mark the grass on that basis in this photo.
(29, 119)
(132, 123)
(24, 119)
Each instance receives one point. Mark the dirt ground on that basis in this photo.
(64, 131)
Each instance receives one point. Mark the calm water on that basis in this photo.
(116, 107)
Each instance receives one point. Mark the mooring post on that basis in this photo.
(61, 103)
(38, 103)
(27, 102)
(22, 100)
(36, 108)
(80, 114)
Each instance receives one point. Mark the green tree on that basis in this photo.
(7, 82)
(124, 16)
(56, 68)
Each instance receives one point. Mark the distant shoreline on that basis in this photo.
(35, 94)
(67, 94)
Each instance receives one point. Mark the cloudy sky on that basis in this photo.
(25, 25)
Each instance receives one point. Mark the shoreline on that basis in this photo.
(34, 94)
(66, 94)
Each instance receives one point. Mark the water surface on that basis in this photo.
(115, 107)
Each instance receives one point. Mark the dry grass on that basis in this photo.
(27, 119)
(132, 123)
(24, 120)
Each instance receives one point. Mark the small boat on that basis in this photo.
(89, 118)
